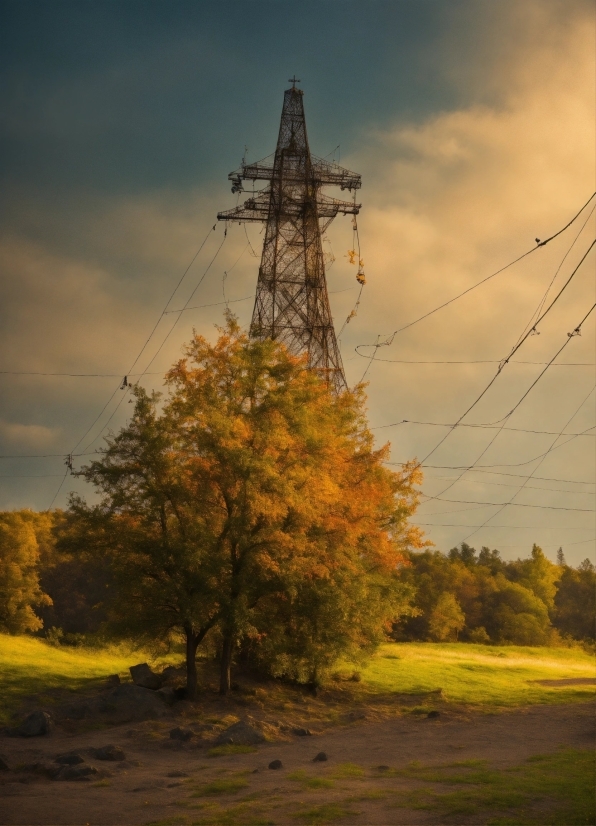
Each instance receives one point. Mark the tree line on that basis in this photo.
(247, 513)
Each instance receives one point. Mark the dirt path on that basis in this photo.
(145, 787)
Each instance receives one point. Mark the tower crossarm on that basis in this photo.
(332, 174)
(330, 207)
(257, 208)
(321, 173)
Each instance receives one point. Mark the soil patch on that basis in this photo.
(368, 778)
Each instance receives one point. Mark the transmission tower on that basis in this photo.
(292, 303)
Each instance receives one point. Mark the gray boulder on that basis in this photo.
(69, 758)
(240, 734)
(173, 672)
(167, 694)
(321, 757)
(81, 772)
(143, 676)
(34, 725)
(182, 734)
(108, 753)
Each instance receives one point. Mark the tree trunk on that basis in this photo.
(192, 642)
(225, 665)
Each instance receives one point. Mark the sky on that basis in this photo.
(472, 124)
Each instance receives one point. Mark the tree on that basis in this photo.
(446, 619)
(251, 488)
(20, 591)
(538, 574)
(575, 602)
(514, 614)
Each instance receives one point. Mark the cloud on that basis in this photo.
(22, 436)
(448, 201)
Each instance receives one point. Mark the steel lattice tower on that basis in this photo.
(292, 304)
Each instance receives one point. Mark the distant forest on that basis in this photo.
(466, 595)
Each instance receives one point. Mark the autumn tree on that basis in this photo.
(251, 499)
(20, 591)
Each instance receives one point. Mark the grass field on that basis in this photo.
(31, 666)
(482, 676)
(489, 676)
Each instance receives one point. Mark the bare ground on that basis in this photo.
(164, 780)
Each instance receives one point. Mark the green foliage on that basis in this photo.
(575, 602)
(487, 600)
(20, 591)
(446, 619)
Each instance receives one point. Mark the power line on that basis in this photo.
(487, 361)
(183, 276)
(527, 487)
(519, 476)
(164, 340)
(507, 527)
(507, 504)
(390, 339)
(513, 351)
(501, 464)
(481, 427)
(551, 448)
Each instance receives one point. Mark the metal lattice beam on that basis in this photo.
(292, 303)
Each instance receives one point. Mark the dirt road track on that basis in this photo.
(140, 794)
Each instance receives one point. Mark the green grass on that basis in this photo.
(227, 785)
(309, 781)
(30, 666)
(497, 676)
(229, 748)
(326, 813)
(484, 676)
(546, 790)
(348, 770)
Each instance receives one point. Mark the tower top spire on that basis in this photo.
(294, 80)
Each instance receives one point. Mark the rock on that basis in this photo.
(172, 672)
(167, 694)
(42, 768)
(383, 768)
(240, 734)
(127, 702)
(108, 753)
(180, 692)
(275, 764)
(36, 724)
(69, 758)
(302, 732)
(112, 681)
(80, 772)
(177, 774)
(320, 758)
(182, 734)
(143, 676)
(433, 715)
(3, 764)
